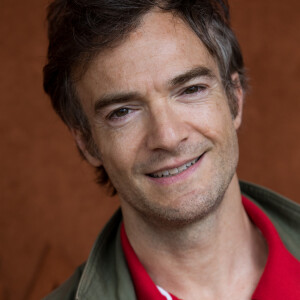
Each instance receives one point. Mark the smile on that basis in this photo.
(174, 171)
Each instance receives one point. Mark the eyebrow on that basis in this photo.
(111, 99)
(192, 74)
(119, 98)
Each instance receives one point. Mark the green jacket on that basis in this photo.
(105, 274)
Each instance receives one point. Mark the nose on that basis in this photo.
(167, 128)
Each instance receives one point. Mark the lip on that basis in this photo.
(178, 177)
(177, 165)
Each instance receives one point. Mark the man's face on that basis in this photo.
(161, 121)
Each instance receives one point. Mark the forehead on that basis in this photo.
(162, 47)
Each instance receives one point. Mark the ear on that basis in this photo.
(81, 143)
(239, 96)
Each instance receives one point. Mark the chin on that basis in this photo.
(184, 211)
(199, 205)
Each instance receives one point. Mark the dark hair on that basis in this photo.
(80, 29)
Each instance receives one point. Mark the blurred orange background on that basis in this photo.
(51, 209)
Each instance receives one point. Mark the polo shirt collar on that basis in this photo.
(145, 288)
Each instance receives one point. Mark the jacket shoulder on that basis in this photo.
(67, 290)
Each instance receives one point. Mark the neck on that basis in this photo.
(212, 254)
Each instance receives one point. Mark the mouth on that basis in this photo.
(174, 171)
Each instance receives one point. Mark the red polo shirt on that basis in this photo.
(279, 281)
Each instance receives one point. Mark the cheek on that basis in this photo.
(213, 120)
(119, 148)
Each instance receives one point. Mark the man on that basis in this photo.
(152, 92)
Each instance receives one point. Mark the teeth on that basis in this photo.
(171, 172)
(165, 173)
(182, 168)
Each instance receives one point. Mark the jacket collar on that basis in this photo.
(106, 275)
(280, 279)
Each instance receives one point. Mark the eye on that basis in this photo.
(194, 89)
(119, 113)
